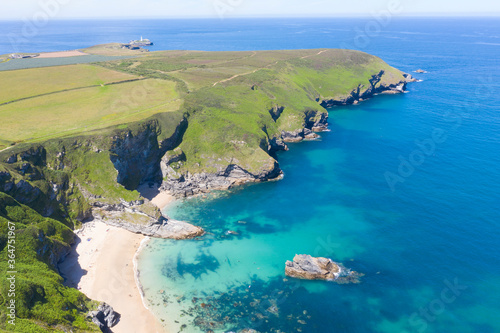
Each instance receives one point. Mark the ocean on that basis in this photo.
(404, 189)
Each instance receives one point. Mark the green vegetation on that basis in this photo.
(94, 98)
(16, 64)
(42, 303)
(13, 84)
(4, 144)
(87, 135)
(112, 49)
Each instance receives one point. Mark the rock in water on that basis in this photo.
(306, 267)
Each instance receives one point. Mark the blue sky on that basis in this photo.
(18, 9)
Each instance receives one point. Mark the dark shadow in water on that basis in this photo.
(256, 228)
(204, 263)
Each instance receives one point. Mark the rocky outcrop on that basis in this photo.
(53, 251)
(142, 218)
(276, 144)
(276, 112)
(181, 185)
(314, 121)
(104, 317)
(164, 228)
(299, 135)
(410, 78)
(306, 267)
(365, 91)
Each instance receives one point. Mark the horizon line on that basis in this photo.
(415, 15)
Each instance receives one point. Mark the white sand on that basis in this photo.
(162, 200)
(61, 54)
(102, 267)
(159, 199)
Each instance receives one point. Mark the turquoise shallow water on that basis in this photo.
(428, 243)
(429, 246)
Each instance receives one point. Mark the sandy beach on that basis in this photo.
(102, 266)
(159, 199)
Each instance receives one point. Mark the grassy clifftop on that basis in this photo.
(100, 130)
(229, 96)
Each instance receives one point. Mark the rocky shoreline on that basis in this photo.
(186, 185)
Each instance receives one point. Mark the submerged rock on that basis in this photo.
(306, 267)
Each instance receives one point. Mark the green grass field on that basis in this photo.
(64, 100)
(32, 82)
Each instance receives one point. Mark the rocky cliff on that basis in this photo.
(181, 182)
(80, 179)
(367, 91)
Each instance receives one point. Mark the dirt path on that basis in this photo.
(258, 69)
(235, 76)
(238, 75)
(313, 55)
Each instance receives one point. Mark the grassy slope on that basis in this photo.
(42, 303)
(233, 112)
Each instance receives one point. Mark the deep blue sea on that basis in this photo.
(405, 189)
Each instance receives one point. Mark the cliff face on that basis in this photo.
(31, 180)
(191, 184)
(136, 156)
(367, 91)
(96, 177)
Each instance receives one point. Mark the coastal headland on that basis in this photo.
(110, 141)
